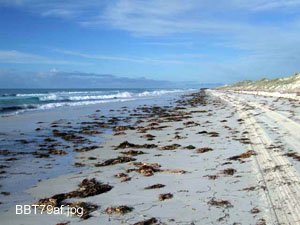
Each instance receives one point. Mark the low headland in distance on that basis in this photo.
(226, 155)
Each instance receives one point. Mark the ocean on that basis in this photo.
(14, 101)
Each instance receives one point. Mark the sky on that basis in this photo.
(90, 43)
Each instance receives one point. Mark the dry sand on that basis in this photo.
(208, 178)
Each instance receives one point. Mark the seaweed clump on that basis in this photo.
(119, 209)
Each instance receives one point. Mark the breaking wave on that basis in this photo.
(43, 100)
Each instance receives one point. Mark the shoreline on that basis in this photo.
(31, 152)
(195, 162)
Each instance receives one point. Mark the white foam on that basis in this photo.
(78, 98)
(158, 93)
(51, 97)
(94, 97)
(60, 104)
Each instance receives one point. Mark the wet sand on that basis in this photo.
(213, 158)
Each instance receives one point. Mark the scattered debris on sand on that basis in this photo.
(122, 128)
(220, 203)
(293, 155)
(191, 124)
(261, 222)
(149, 120)
(57, 152)
(63, 223)
(190, 147)
(119, 133)
(155, 186)
(212, 177)
(12, 159)
(244, 155)
(229, 171)
(79, 164)
(151, 221)
(202, 132)
(123, 209)
(87, 188)
(127, 144)
(203, 150)
(244, 140)
(252, 188)
(149, 137)
(163, 197)
(114, 161)
(170, 147)
(133, 153)
(178, 137)
(86, 149)
(54, 201)
(68, 136)
(255, 210)
(123, 177)
(213, 134)
(174, 171)
(146, 169)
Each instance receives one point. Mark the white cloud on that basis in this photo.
(17, 57)
(169, 59)
(267, 5)
(13, 56)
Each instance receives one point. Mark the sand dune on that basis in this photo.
(286, 87)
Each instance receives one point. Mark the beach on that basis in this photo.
(149, 112)
(206, 157)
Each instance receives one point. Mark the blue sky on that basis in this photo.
(186, 42)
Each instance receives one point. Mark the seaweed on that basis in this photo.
(133, 153)
(220, 203)
(123, 209)
(118, 160)
(255, 210)
(170, 147)
(146, 169)
(150, 221)
(87, 188)
(293, 155)
(86, 149)
(190, 147)
(163, 197)
(203, 150)
(123, 176)
(244, 155)
(229, 171)
(155, 186)
(127, 144)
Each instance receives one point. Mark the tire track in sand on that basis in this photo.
(285, 123)
(279, 176)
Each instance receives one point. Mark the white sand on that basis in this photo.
(277, 172)
(192, 191)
